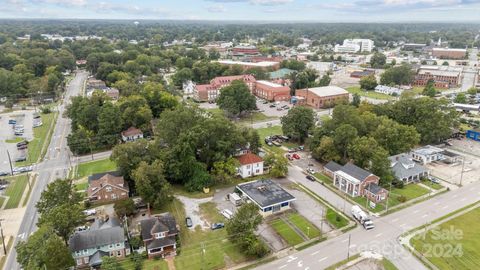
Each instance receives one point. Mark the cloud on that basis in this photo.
(108, 7)
(218, 8)
(256, 2)
(67, 3)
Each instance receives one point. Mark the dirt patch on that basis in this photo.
(192, 210)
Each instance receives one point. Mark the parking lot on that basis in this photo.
(452, 173)
(22, 118)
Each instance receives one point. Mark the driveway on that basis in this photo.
(192, 210)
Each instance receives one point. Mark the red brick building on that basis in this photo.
(446, 53)
(322, 97)
(272, 91)
(444, 78)
(210, 92)
(107, 187)
(245, 50)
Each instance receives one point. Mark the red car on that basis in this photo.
(296, 156)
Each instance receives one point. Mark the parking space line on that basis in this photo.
(322, 259)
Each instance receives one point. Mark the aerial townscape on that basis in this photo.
(243, 134)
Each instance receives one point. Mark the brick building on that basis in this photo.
(446, 53)
(443, 77)
(271, 91)
(210, 92)
(107, 187)
(322, 97)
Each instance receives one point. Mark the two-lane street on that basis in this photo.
(55, 165)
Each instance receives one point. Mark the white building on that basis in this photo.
(427, 154)
(188, 87)
(354, 46)
(132, 134)
(387, 90)
(250, 165)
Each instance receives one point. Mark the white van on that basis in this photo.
(227, 213)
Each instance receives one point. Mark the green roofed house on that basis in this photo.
(281, 73)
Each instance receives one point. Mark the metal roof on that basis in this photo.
(265, 192)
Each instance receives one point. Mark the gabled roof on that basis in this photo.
(99, 234)
(374, 188)
(403, 166)
(106, 180)
(131, 131)
(160, 223)
(97, 176)
(355, 171)
(96, 258)
(332, 166)
(249, 158)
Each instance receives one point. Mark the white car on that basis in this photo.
(227, 213)
(90, 212)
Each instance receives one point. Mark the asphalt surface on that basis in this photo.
(383, 239)
(55, 165)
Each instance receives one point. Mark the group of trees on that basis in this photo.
(97, 121)
(236, 99)
(360, 135)
(60, 213)
(298, 123)
(191, 148)
(398, 75)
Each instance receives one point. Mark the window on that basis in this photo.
(108, 189)
(119, 253)
(284, 204)
(79, 261)
(85, 260)
(114, 196)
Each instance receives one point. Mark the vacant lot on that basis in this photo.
(289, 225)
(456, 252)
(97, 166)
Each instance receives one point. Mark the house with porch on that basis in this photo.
(407, 170)
(159, 235)
(107, 187)
(132, 134)
(357, 182)
(103, 238)
(250, 165)
(267, 195)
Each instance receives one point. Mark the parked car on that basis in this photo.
(309, 177)
(39, 124)
(434, 179)
(289, 157)
(189, 222)
(90, 212)
(226, 213)
(22, 143)
(21, 147)
(272, 105)
(216, 226)
(21, 158)
(279, 109)
(296, 156)
(310, 170)
(4, 173)
(12, 122)
(265, 102)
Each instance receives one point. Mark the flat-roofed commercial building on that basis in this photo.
(266, 65)
(443, 76)
(446, 53)
(272, 91)
(322, 97)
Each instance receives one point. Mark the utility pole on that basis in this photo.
(3, 238)
(10, 160)
(388, 196)
(461, 173)
(348, 249)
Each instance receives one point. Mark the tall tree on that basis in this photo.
(129, 155)
(151, 184)
(378, 60)
(298, 122)
(368, 82)
(44, 250)
(236, 99)
(429, 89)
(325, 80)
(63, 219)
(59, 192)
(326, 150)
(278, 165)
(344, 135)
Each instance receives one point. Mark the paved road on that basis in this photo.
(55, 165)
(384, 238)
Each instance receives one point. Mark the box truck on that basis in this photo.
(362, 217)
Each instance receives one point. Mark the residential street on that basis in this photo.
(384, 238)
(55, 165)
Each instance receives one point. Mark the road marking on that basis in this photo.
(22, 235)
(445, 207)
(316, 252)
(424, 216)
(343, 241)
(300, 263)
(378, 235)
(291, 258)
(322, 259)
(416, 211)
(352, 246)
(395, 220)
(401, 225)
(283, 266)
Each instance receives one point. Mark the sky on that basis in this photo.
(249, 10)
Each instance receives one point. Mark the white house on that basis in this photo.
(188, 87)
(250, 165)
(131, 134)
(388, 90)
(427, 154)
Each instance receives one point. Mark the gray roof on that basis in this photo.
(265, 192)
(374, 188)
(161, 223)
(96, 258)
(99, 234)
(404, 167)
(162, 242)
(332, 166)
(355, 171)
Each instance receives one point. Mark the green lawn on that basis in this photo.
(41, 136)
(216, 244)
(304, 225)
(15, 190)
(274, 130)
(335, 219)
(159, 264)
(16, 140)
(286, 232)
(432, 185)
(97, 166)
(82, 185)
(369, 94)
(388, 265)
(255, 117)
(323, 178)
(410, 191)
(443, 252)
